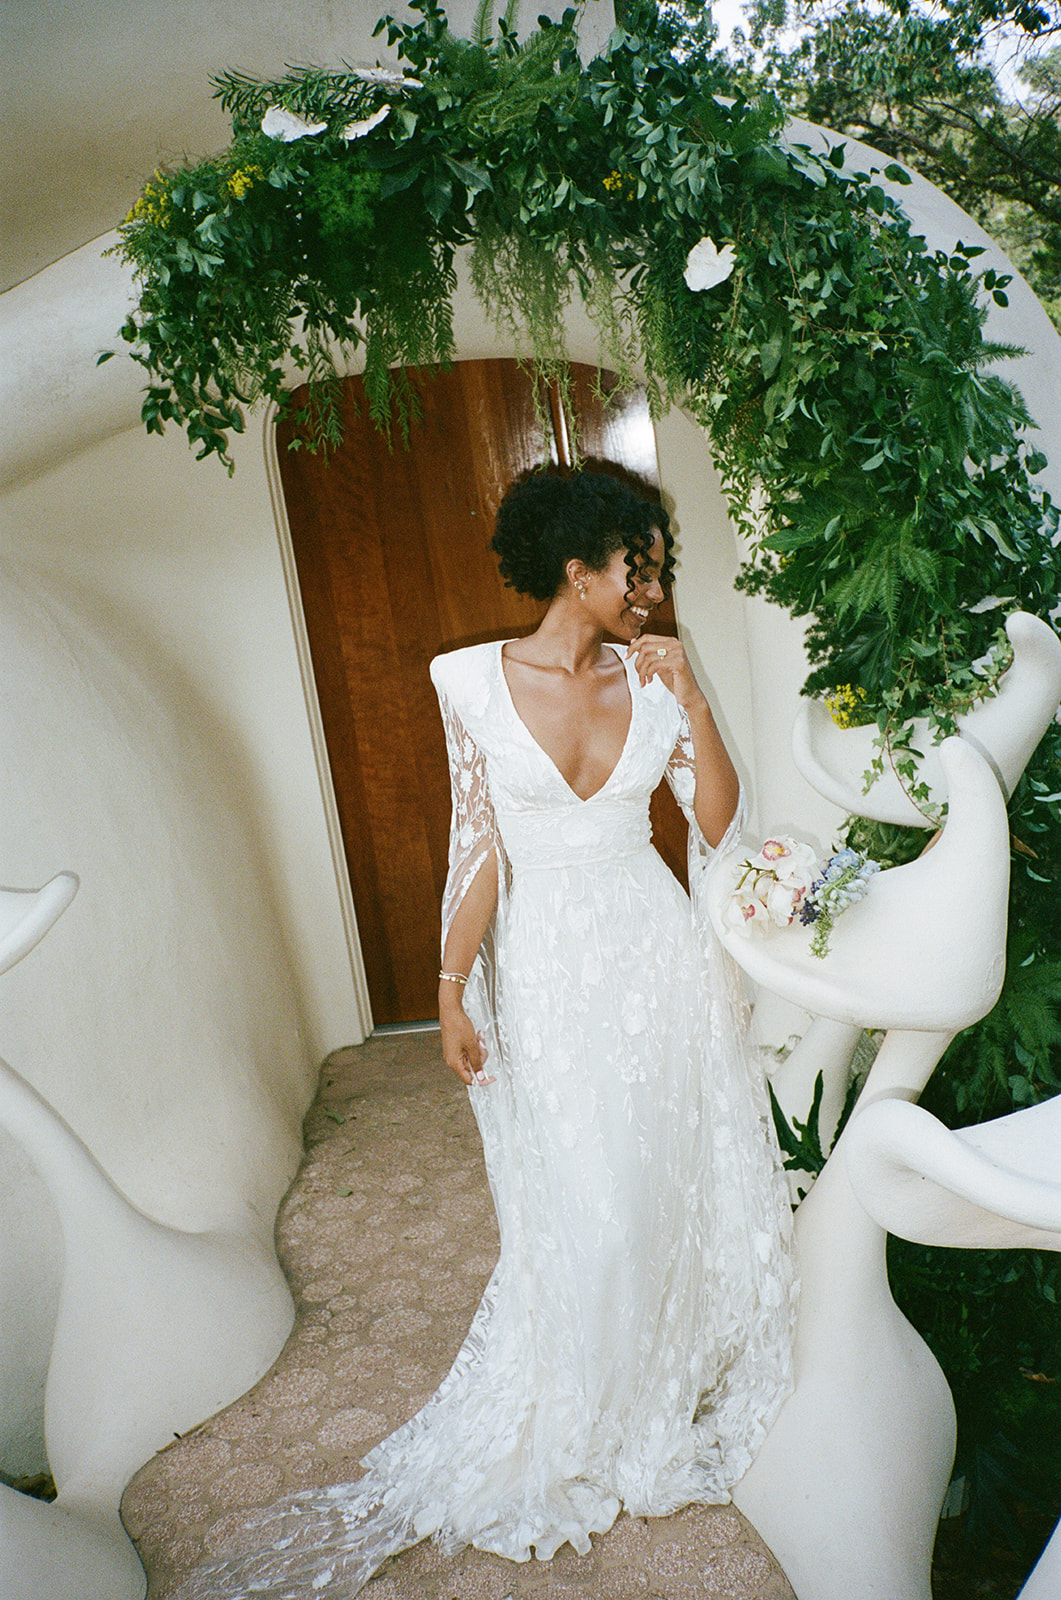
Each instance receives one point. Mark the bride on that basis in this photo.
(633, 1344)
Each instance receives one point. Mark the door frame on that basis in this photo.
(347, 910)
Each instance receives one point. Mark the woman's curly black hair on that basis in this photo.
(547, 520)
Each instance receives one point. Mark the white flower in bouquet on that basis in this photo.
(790, 860)
(782, 900)
(706, 266)
(746, 911)
(769, 886)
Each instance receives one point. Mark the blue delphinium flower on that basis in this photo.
(843, 882)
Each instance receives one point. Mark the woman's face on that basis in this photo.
(622, 610)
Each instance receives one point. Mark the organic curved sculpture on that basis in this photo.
(926, 949)
(1005, 728)
(155, 1330)
(849, 1522)
(27, 914)
(994, 1186)
(848, 1485)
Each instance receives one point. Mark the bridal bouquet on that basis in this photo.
(784, 880)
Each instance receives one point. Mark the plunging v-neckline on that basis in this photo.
(583, 800)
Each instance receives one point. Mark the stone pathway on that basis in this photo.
(388, 1237)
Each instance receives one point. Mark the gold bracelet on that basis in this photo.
(453, 977)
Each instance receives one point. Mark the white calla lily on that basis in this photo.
(357, 130)
(286, 126)
(705, 265)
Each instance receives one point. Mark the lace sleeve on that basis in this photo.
(681, 775)
(473, 832)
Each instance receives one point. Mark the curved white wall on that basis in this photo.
(160, 1016)
(170, 1038)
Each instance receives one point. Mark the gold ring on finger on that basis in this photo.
(660, 651)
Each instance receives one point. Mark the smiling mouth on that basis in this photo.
(640, 612)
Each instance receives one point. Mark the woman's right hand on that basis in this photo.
(463, 1049)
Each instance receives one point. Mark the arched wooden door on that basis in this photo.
(392, 551)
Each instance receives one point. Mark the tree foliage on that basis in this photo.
(969, 95)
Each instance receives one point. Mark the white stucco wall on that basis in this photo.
(172, 1031)
(30, 1256)
(159, 1017)
(177, 1014)
(95, 97)
(189, 560)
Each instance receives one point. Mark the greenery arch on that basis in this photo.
(882, 468)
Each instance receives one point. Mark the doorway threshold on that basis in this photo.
(429, 1025)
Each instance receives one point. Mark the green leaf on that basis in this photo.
(994, 532)
(766, 164)
(770, 354)
(474, 178)
(794, 538)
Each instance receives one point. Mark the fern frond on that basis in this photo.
(482, 23)
(308, 91)
(992, 350)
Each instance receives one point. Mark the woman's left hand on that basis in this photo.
(658, 656)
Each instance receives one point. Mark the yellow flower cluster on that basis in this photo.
(241, 180)
(620, 185)
(845, 705)
(153, 204)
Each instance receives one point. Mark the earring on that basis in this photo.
(581, 587)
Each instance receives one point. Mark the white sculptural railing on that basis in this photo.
(995, 1186)
(156, 1329)
(1005, 729)
(27, 914)
(849, 1483)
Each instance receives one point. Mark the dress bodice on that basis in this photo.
(540, 820)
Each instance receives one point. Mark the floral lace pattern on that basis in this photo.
(634, 1342)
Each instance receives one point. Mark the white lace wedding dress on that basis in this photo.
(634, 1341)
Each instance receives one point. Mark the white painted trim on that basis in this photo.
(316, 725)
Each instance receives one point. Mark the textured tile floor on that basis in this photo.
(388, 1238)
